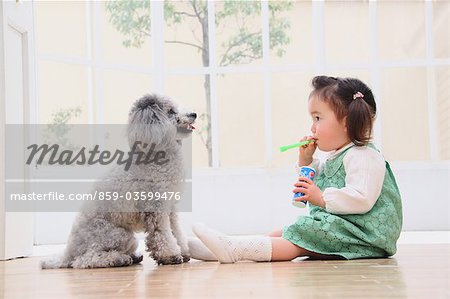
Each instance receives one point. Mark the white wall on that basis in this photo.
(425, 189)
(2, 134)
(258, 201)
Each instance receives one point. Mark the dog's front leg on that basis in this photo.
(179, 235)
(160, 241)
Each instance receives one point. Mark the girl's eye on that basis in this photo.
(316, 118)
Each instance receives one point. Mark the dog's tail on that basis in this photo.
(55, 262)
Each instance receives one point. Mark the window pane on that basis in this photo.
(189, 93)
(62, 87)
(61, 28)
(443, 109)
(398, 36)
(290, 117)
(119, 47)
(120, 91)
(238, 32)
(347, 28)
(184, 38)
(361, 74)
(299, 49)
(241, 120)
(405, 109)
(441, 29)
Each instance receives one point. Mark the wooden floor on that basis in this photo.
(417, 271)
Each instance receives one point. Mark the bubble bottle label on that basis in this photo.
(310, 173)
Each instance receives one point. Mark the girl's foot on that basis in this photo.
(199, 251)
(230, 249)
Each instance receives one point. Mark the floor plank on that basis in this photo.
(416, 271)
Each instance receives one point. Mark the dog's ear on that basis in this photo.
(145, 116)
(149, 116)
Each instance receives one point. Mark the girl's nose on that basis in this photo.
(313, 129)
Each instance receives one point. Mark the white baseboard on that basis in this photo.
(424, 237)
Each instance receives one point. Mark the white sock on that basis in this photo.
(199, 251)
(230, 249)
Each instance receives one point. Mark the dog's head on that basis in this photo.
(154, 119)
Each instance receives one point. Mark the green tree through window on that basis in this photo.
(132, 19)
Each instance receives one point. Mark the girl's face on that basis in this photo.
(329, 132)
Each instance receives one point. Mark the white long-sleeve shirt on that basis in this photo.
(365, 169)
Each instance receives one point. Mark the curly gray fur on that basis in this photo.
(101, 237)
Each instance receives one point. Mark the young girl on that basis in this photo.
(355, 205)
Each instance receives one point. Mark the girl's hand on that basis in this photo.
(312, 193)
(306, 152)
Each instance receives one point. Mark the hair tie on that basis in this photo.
(358, 95)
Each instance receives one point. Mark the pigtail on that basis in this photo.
(359, 121)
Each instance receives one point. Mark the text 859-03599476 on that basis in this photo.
(136, 195)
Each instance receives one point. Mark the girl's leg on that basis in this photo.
(284, 250)
(276, 233)
(199, 251)
(230, 249)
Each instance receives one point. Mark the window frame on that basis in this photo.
(158, 71)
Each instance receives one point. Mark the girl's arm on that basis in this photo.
(365, 169)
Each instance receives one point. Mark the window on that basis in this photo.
(245, 68)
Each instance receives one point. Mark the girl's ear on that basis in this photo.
(344, 122)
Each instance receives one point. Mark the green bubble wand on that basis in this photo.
(286, 147)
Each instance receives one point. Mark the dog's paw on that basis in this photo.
(186, 258)
(137, 257)
(170, 260)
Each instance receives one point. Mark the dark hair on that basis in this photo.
(350, 98)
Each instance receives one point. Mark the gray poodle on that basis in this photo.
(103, 234)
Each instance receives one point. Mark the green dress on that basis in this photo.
(370, 235)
